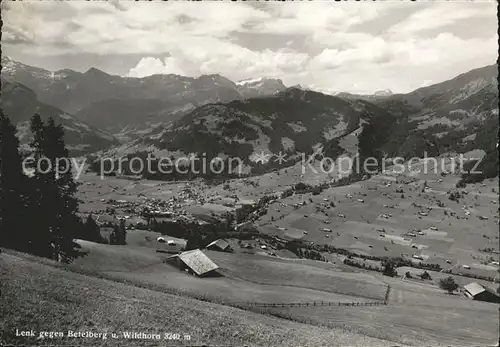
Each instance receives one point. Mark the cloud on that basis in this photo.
(401, 66)
(374, 50)
(335, 46)
(150, 66)
(309, 17)
(441, 15)
(224, 58)
(128, 28)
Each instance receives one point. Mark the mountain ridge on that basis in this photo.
(83, 94)
(450, 112)
(20, 103)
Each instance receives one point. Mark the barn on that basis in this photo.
(476, 291)
(195, 262)
(219, 245)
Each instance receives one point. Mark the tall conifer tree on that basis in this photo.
(40, 232)
(64, 219)
(11, 187)
(54, 203)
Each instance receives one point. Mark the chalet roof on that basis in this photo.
(222, 244)
(197, 261)
(474, 288)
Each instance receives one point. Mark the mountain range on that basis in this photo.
(171, 114)
(126, 106)
(293, 121)
(435, 119)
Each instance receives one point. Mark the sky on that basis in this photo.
(358, 47)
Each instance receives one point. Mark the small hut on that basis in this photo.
(219, 245)
(195, 262)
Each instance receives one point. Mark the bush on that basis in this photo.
(454, 196)
(389, 270)
(448, 284)
(425, 276)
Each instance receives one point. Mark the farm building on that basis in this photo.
(476, 291)
(219, 245)
(247, 227)
(194, 261)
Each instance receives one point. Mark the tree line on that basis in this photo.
(38, 204)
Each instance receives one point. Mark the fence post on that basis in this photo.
(387, 294)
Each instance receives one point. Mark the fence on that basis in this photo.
(316, 304)
(387, 293)
(321, 303)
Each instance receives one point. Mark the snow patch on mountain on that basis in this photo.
(65, 116)
(81, 125)
(297, 127)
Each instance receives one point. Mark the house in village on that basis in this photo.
(219, 245)
(195, 262)
(476, 291)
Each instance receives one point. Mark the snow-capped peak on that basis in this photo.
(249, 81)
(258, 80)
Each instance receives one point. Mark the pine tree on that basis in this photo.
(113, 237)
(122, 233)
(39, 231)
(64, 220)
(91, 231)
(53, 203)
(119, 234)
(11, 187)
